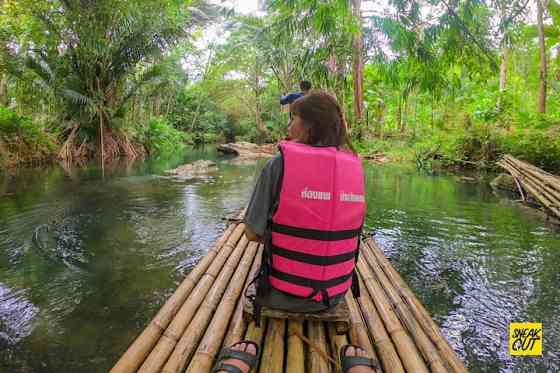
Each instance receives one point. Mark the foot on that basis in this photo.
(246, 347)
(353, 351)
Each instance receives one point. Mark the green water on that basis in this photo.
(115, 246)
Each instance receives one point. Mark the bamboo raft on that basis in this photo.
(541, 185)
(205, 314)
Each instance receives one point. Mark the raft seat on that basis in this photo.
(339, 314)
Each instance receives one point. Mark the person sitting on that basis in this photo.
(308, 208)
(243, 356)
(305, 87)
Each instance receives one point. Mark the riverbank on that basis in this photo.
(477, 147)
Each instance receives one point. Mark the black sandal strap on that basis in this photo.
(243, 356)
(349, 362)
(229, 353)
(229, 368)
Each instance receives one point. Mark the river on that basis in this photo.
(87, 258)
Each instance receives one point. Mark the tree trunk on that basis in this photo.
(543, 67)
(399, 114)
(415, 111)
(3, 90)
(258, 119)
(358, 66)
(381, 120)
(404, 121)
(503, 74)
(260, 123)
(433, 111)
(102, 141)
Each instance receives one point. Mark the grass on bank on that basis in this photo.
(474, 147)
(23, 140)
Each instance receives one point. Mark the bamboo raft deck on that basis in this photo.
(205, 314)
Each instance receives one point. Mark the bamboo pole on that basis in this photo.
(542, 182)
(547, 183)
(209, 346)
(238, 325)
(387, 353)
(406, 348)
(541, 173)
(141, 347)
(191, 336)
(418, 310)
(358, 329)
(424, 344)
(536, 190)
(553, 178)
(336, 343)
(296, 353)
(316, 360)
(192, 306)
(256, 334)
(272, 358)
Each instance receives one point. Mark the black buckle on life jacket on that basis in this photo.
(325, 296)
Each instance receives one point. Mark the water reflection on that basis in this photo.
(476, 263)
(132, 235)
(16, 315)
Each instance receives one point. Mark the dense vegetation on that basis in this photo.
(458, 81)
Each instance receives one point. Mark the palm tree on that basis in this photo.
(98, 56)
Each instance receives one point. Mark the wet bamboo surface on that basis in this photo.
(205, 314)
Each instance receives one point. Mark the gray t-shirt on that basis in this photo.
(265, 196)
(259, 212)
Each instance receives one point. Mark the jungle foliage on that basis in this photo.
(458, 82)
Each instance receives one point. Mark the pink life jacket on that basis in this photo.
(315, 230)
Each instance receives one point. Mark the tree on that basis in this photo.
(328, 28)
(508, 13)
(242, 56)
(358, 65)
(543, 71)
(93, 57)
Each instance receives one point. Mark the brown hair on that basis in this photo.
(323, 120)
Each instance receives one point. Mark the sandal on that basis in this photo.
(349, 362)
(228, 353)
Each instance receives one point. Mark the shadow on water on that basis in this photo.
(118, 244)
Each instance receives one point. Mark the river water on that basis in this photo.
(86, 258)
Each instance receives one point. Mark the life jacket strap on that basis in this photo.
(313, 234)
(313, 259)
(307, 282)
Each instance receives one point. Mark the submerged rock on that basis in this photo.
(194, 169)
(504, 182)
